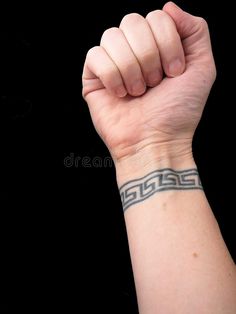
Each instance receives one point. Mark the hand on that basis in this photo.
(147, 83)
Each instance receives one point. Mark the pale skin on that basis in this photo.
(146, 86)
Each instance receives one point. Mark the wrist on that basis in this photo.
(175, 156)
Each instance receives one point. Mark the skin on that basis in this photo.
(143, 51)
(146, 86)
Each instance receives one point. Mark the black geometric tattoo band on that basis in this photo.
(138, 190)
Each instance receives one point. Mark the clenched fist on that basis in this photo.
(147, 83)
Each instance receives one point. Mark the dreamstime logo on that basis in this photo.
(87, 161)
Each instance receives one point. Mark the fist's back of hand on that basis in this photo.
(147, 83)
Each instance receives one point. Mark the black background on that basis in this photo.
(63, 240)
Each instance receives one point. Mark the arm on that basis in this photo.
(146, 86)
(180, 261)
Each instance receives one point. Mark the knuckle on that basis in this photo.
(202, 23)
(131, 18)
(109, 33)
(155, 14)
(92, 51)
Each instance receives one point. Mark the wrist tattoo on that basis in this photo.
(138, 190)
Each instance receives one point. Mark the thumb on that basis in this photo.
(193, 31)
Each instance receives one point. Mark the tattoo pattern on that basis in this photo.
(138, 190)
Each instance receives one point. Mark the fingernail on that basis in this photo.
(121, 91)
(138, 88)
(175, 68)
(154, 78)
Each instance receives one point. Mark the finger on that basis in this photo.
(100, 71)
(142, 42)
(194, 32)
(168, 42)
(117, 47)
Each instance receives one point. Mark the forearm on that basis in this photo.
(146, 92)
(180, 261)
